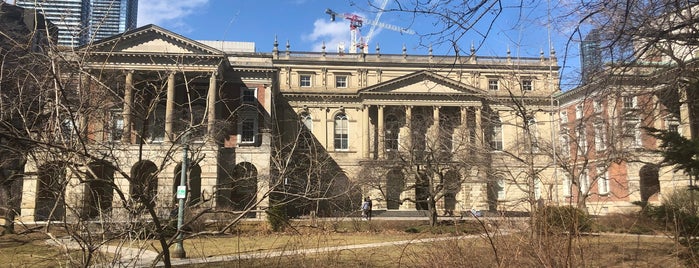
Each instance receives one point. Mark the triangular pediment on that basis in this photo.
(422, 83)
(151, 39)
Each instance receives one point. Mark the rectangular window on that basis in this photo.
(600, 142)
(582, 141)
(598, 106)
(305, 80)
(564, 117)
(602, 182)
(584, 183)
(249, 96)
(496, 139)
(341, 81)
(117, 126)
(629, 102)
(247, 131)
(673, 124)
(579, 111)
(565, 146)
(527, 85)
(493, 84)
(567, 184)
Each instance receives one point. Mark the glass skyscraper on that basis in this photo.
(81, 22)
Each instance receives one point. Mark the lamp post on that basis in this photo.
(181, 195)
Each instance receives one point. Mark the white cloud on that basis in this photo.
(333, 33)
(167, 13)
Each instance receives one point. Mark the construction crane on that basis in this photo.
(356, 23)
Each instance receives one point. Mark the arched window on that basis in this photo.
(341, 132)
(307, 121)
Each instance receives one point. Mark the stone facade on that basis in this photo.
(372, 122)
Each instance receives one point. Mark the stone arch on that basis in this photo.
(395, 183)
(144, 182)
(193, 183)
(650, 183)
(99, 188)
(50, 192)
(238, 190)
(451, 186)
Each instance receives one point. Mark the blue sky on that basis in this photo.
(305, 25)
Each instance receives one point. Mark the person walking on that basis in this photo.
(368, 212)
(366, 208)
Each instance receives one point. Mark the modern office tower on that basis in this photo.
(590, 55)
(110, 17)
(81, 22)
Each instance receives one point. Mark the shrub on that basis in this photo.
(677, 213)
(553, 219)
(277, 218)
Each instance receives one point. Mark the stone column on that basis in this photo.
(685, 120)
(478, 128)
(365, 132)
(461, 138)
(382, 135)
(126, 112)
(434, 133)
(408, 140)
(211, 105)
(170, 107)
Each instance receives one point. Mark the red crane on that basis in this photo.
(356, 23)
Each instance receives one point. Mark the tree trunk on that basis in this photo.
(7, 213)
(432, 209)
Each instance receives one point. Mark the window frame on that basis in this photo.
(629, 102)
(493, 86)
(600, 137)
(527, 85)
(302, 80)
(341, 132)
(497, 139)
(116, 125)
(338, 78)
(584, 183)
(567, 186)
(501, 190)
(602, 180)
(306, 120)
(245, 132)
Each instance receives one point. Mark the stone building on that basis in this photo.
(469, 132)
(463, 129)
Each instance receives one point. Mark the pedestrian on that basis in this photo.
(368, 212)
(366, 208)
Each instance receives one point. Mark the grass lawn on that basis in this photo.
(513, 251)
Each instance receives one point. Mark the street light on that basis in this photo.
(181, 195)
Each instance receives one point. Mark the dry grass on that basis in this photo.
(514, 251)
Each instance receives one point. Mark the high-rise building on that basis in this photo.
(590, 55)
(81, 22)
